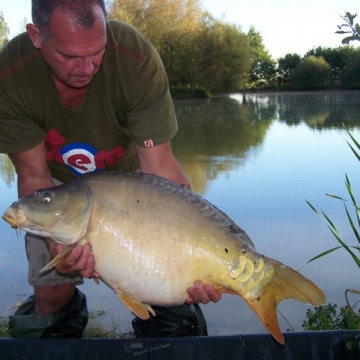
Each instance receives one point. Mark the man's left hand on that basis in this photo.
(202, 294)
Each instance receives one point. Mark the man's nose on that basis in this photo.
(86, 66)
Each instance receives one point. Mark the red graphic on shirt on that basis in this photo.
(53, 143)
(79, 158)
(79, 161)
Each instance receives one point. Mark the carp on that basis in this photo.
(151, 240)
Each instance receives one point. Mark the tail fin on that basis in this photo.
(285, 284)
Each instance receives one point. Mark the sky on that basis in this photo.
(286, 26)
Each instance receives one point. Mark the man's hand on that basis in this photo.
(202, 294)
(80, 260)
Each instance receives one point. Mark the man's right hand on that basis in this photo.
(80, 260)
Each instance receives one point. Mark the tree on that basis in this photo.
(4, 31)
(310, 74)
(196, 49)
(263, 66)
(22, 25)
(350, 76)
(354, 29)
(335, 57)
(164, 22)
(224, 54)
(171, 26)
(286, 66)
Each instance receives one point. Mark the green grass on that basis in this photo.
(95, 329)
(350, 206)
(3, 327)
(330, 317)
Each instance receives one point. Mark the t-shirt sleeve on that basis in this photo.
(151, 117)
(18, 132)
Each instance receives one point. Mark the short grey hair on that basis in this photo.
(80, 11)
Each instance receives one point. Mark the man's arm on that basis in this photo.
(32, 170)
(33, 174)
(160, 161)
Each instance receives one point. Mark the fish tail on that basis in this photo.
(286, 283)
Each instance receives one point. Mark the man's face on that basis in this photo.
(74, 54)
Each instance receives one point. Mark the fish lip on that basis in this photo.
(10, 221)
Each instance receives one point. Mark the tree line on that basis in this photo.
(203, 54)
(325, 67)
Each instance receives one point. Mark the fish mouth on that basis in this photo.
(10, 221)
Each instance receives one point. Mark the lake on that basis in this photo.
(257, 157)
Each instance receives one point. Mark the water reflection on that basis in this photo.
(7, 170)
(219, 135)
(216, 135)
(319, 110)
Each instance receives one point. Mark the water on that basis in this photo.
(257, 157)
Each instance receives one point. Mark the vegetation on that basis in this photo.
(310, 73)
(3, 328)
(350, 76)
(352, 28)
(200, 52)
(326, 317)
(4, 31)
(336, 58)
(286, 65)
(263, 70)
(197, 50)
(329, 317)
(95, 330)
(354, 223)
(323, 318)
(204, 55)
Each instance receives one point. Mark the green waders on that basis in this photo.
(182, 320)
(69, 322)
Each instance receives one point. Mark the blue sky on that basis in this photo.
(286, 26)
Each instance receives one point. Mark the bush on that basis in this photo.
(310, 74)
(327, 317)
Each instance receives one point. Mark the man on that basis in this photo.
(77, 94)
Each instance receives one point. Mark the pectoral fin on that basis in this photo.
(57, 259)
(139, 309)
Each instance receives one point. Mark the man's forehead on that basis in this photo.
(70, 39)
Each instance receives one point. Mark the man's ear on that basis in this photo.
(34, 35)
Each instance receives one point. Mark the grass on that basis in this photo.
(3, 327)
(354, 221)
(95, 330)
(330, 317)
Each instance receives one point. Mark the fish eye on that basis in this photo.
(46, 199)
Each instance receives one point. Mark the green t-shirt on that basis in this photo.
(127, 102)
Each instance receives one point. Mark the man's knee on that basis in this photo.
(69, 321)
(49, 299)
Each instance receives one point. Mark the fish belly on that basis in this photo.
(150, 272)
